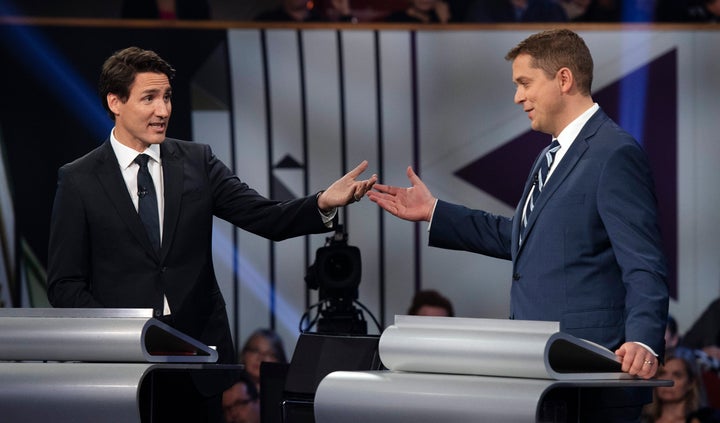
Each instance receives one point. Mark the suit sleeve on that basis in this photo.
(627, 207)
(68, 252)
(457, 227)
(237, 203)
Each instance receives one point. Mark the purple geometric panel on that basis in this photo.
(644, 102)
(503, 171)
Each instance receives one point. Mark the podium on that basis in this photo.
(460, 370)
(109, 365)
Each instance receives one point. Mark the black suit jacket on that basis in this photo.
(100, 255)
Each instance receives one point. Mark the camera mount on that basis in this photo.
(336, 274)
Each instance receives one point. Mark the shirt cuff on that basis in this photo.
(327, 217)
(647, 348)
(432, 215)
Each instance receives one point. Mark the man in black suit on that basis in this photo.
(101, 253)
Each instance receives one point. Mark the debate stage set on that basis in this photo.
(291, 108)
(119, 365)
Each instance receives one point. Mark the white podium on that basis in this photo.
(102, 365)
(461, 370)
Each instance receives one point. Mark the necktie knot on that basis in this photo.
(142, 160)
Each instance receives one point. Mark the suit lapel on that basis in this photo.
(568, 163)
(172, 166)
(110, 178)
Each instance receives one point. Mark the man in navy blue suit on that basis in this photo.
(588, 252)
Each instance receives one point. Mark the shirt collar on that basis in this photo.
(568, 135)
(126, 155)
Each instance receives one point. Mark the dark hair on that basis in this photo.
(119, 71)
(672, 325)
(271, 336)
(555, 49)
(430, 297)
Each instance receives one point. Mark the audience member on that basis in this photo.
(688, 11)
(241, 402)
(262, 345)
(422, 11)
(166, 9)
(674, 403)
(672, 342)
(597, 11)
(305, 11)
(430, 303)
(515, 11)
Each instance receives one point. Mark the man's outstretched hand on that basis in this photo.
(415, 203)
(346, 190)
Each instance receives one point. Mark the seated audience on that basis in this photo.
(422, 11)
(688, 11)
(240, 402)
(305, 11)
(166, 9)
(515, 11)
(430, 303)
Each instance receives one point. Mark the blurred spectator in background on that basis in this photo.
(241, 402)
(430, 303)
(166, 9)
(674, 403)
(688, 11)
(262, 345)
(672, 336)
(593, 10)
(515, 11)
(422, 11)
(307, 11)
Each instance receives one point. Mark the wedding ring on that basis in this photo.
(649, 362)
(356, 198)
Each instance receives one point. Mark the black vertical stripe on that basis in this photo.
(269, 140)
(306, 157)
(235, 239)
(416, 148)
(381, 165)
(343, 125)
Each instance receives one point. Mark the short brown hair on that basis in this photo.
(555, 49)
(119, 70)
(431, 298)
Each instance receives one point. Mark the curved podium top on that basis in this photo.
(494, 347)
(95, 335)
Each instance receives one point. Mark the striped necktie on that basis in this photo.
(538, 185)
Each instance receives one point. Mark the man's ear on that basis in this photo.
(566, 80)
(113, 102)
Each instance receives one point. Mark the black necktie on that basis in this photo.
(539, 184)
(147, 201)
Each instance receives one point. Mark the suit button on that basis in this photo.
(163, 269)
(516, 276)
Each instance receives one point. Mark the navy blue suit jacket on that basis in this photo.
(591, 258)
(100, 255)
